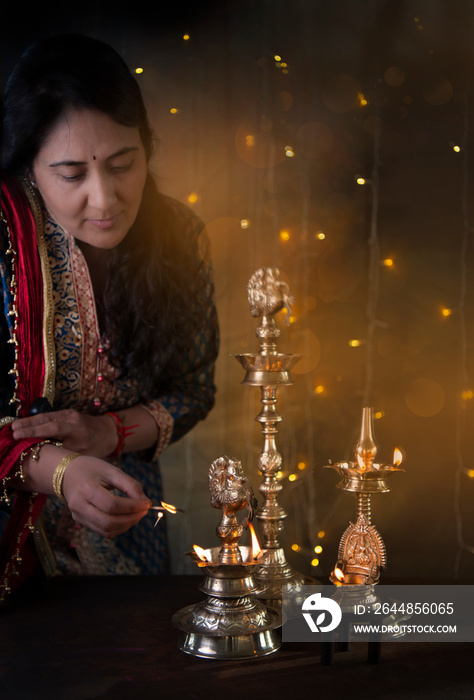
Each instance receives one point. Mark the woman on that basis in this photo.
(109, 332)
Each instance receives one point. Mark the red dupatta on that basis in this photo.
(33, 370)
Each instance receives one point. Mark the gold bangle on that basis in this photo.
(58, 474)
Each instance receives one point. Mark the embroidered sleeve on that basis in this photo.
(164, 422)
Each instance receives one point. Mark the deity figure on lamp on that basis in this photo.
(232, 491)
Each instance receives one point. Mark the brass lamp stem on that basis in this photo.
(364, 506)
(269, 369)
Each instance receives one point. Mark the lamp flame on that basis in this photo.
(339, 574)
(256, 549)
(397, 457)
(200, 552)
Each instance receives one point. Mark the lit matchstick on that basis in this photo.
(165, 507)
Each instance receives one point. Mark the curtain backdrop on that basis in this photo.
(333, 140)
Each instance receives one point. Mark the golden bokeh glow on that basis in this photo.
(424, 397)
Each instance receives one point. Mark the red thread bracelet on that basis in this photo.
(117, 453)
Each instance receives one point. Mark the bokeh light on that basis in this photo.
(425, 397)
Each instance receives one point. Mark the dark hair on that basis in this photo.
(157, 297)
(66, 71)
(153, 275)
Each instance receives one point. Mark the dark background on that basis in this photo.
(379, 89)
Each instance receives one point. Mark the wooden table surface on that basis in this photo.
(112, 637)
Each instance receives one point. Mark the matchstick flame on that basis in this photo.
(169, 508)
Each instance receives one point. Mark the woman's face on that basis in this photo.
(91, 172)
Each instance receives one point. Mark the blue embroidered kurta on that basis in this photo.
(86, 380)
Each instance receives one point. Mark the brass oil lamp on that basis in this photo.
(270, 369)
(362, 554)
(231, 623)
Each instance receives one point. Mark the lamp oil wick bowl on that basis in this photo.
(364, 479)
(218, 557)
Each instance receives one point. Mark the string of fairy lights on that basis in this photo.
(311, 544)
(462, 469)
(466, 393)
(315, 550)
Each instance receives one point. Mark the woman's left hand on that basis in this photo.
(88, 435)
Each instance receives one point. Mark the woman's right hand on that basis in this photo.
(87, 487)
